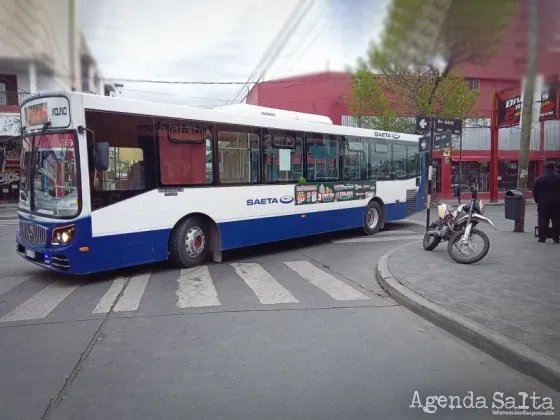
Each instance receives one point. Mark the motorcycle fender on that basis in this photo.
(483, 219)
(478, 218)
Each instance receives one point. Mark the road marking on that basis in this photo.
(324, 281)
(267, 289)
(394, 232)
(41, 304)
(130, 299)
(373, 239)
(196, 288)
(9, 283)
(416, 222)
(108, 299)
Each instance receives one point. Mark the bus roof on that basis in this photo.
(237, 115)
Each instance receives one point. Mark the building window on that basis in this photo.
(475, 173)
(322, 157)
(238, 156)
(283, 157)
(507, 174)
(473, 84)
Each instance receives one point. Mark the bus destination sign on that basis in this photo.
(54, 110)
(37, 114)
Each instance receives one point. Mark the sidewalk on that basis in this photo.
(508, 304)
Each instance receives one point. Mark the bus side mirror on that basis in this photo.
(2, 158)
(101, 157)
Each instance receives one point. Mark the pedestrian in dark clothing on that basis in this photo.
(546, 193)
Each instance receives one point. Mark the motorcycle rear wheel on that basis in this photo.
(454, 251)
(430, 242)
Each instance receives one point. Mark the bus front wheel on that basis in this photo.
(189, 244)
(372, 219)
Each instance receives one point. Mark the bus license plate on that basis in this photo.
(30, 253)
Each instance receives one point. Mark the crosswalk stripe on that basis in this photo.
(267, 289)
(130, 299)
(394, 232)
(9, 283)
(324, 281)
(42, 303)
(196, 288)
(109, 298)
(369, 239)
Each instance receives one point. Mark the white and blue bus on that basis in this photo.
(110, 182)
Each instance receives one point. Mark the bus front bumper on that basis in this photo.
(51, 258)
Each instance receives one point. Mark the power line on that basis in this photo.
(267, 53)
(181, 82)
(175, 95)
(278, 44)
(278, 50)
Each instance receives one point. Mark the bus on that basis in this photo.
(108, 182)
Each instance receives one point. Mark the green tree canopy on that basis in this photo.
(410, 70)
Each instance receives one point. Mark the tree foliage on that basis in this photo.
(414, 68)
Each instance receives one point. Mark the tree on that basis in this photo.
(418, 58)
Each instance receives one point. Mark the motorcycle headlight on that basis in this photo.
(63, 235)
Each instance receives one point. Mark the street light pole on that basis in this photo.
(527, 116)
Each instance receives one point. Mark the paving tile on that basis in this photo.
(548, 347)
(487, 320)
(544, 329)
(515, 289)
(518, 333)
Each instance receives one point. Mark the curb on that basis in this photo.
(518, 356)
(8, 218)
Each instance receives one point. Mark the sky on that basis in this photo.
(221, 40)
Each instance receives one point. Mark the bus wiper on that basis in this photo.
(45, 127)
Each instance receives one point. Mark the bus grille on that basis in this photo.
(32, 233)
(411, 196)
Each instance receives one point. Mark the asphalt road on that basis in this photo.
(288, 331)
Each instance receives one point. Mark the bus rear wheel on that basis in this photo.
(372, 219)
(189, 244)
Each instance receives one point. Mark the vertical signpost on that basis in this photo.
(439, 132)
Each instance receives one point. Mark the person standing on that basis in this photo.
(546, 193)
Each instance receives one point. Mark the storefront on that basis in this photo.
(9, 172)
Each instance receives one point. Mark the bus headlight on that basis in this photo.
(63, 235)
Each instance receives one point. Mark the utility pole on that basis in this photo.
(527, 112)
(72, 42)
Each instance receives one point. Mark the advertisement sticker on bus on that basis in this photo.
(37, 112)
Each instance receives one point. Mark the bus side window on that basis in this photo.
(380, 161)
(322, 157)
(184, 156)
(355, 159)
(283, 158)
(238, 155)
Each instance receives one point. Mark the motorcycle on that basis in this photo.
(458, 227)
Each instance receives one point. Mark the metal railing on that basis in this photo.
(12, 99)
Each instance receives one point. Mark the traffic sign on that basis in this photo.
(454, 125)
(424, 144)
(422, 124)
(442, 141)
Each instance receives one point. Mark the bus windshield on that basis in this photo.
(49, 175)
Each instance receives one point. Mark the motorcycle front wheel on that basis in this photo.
(468, 252)
(430, 242)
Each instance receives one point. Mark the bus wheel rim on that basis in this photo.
(195, 241)
(372, 217)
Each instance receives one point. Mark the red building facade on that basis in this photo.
(324, 94)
